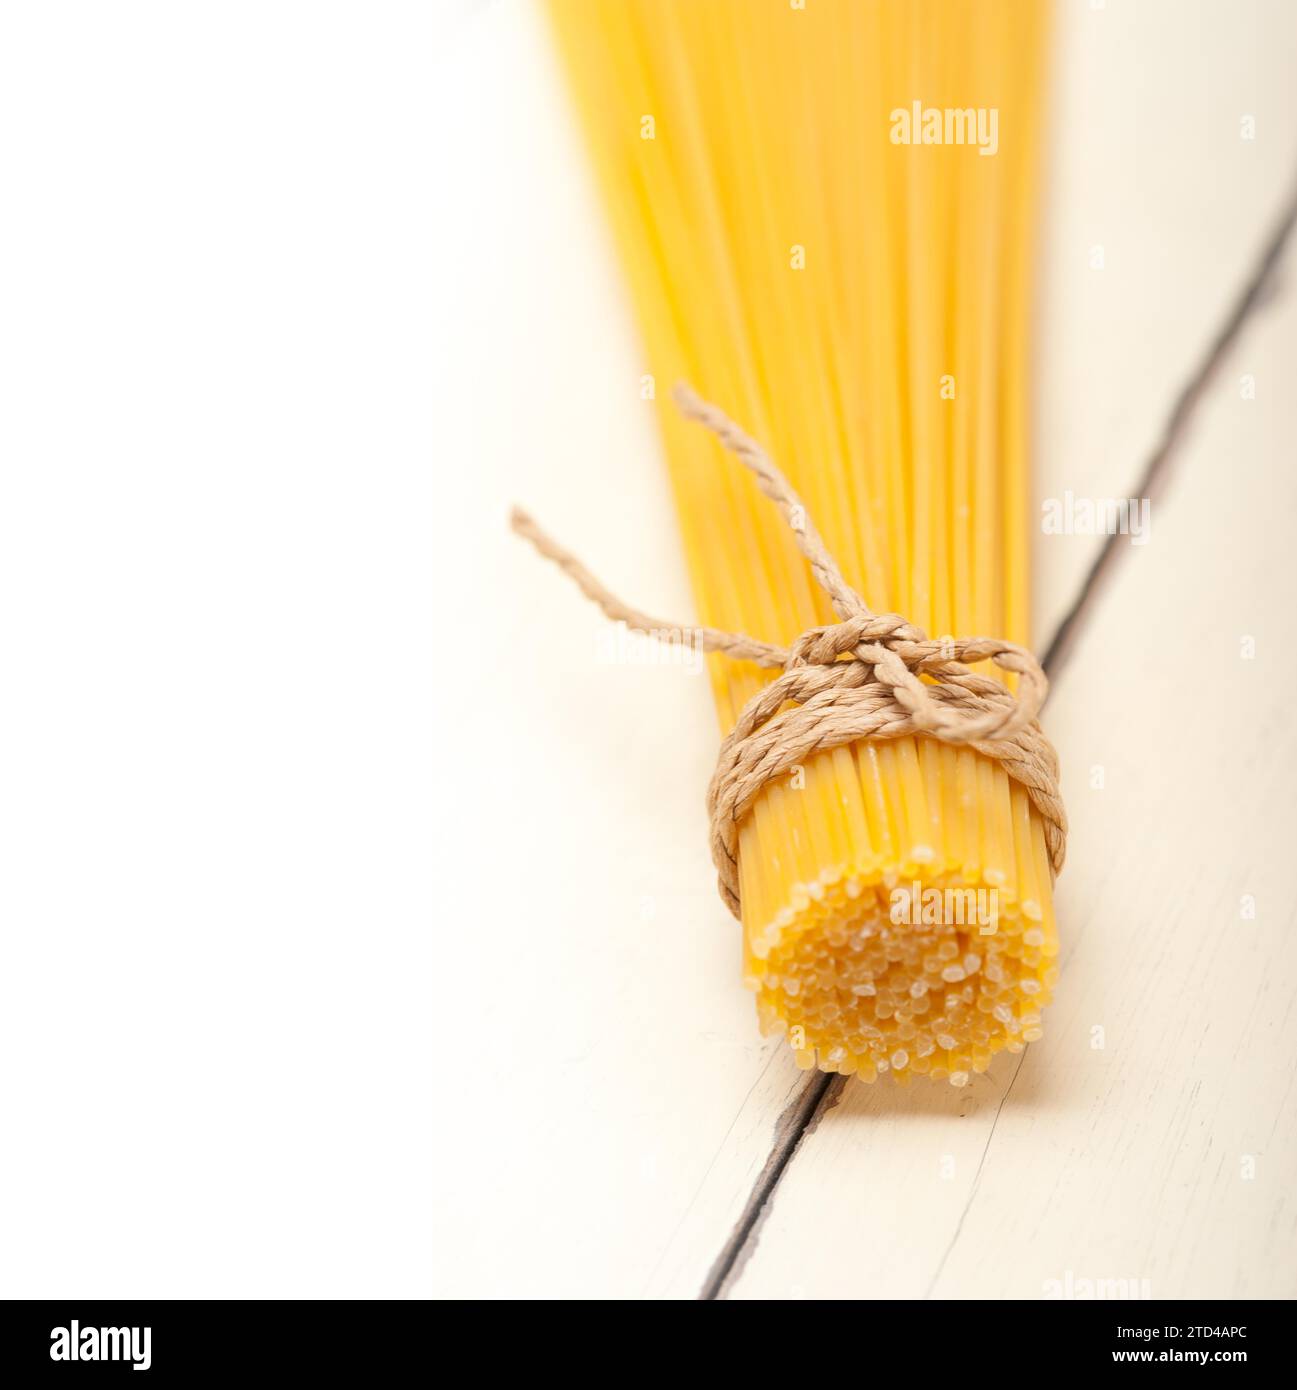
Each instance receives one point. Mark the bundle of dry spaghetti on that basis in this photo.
(825, 211)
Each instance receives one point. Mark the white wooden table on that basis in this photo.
(627, 1133)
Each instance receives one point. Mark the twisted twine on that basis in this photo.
(876, 693)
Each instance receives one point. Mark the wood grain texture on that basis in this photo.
(1151, 1135)
(607, 1103)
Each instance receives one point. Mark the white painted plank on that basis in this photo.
(607, 1102)
(604, 1067)
(1148, 162)
(1166, 1154)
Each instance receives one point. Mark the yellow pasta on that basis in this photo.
(860, 304)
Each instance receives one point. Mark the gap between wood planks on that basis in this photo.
(823, 1090)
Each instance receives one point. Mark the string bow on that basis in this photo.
(867, 676)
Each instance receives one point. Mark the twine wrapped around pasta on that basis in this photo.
(857, 679)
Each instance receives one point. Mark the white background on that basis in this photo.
(227, 538)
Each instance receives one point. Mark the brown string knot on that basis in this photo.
(867, 676)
